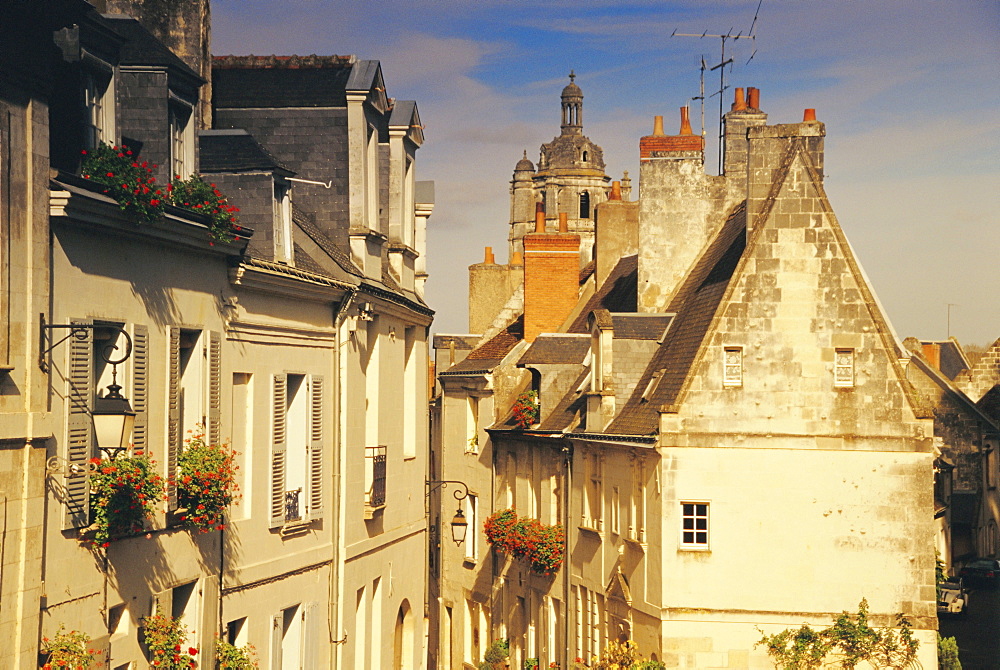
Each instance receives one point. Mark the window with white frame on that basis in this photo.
(297, 448)
(694, 525)
(732, 372)
(372, 179)
(843, 368)
(284, 245)
(615, 511)
(414, 390)
(294, 637)
(99, 108)
(472, 424)
(180, 117)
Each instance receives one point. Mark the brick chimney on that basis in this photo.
(551, 279)
(678, 205)
(741, 117)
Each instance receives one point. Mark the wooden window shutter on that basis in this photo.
(277, 634)
(278, 446)
(173, 414)
(214, 427)
(310, 635)
(140, 388)
(80, 427)
(316, 448)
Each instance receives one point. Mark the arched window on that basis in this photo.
(584, 156)
(585, 205)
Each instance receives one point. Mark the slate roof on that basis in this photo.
(616, 294)
(640, 326)
(280, 81)
(695, 306)
(556, 349)
(141, 48)
(235, 150)
(568, 408)
(489, 355)
(341, 258)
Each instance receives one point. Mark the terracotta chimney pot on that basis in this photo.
(740, 103)
(489, 260)
(516, 258)
(616, 191)
(754, 95)
(809, 115)
(657, 126)
(539, 219)
(563, 222)
(686, 121)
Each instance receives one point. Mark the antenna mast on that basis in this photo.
(721, 67)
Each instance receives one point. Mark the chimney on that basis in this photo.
(676, 210)
(616, 191)
(551, 280)
(616, 232)
(490, 287)
(563, 222)
(767, 146)
(539, 219)
(932, 352)
(737, 121)
(489, 259)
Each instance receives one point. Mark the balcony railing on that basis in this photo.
(374, 479)
(292, 510)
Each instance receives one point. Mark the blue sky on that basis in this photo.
(909, 92)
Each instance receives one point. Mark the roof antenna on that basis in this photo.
(721, 67)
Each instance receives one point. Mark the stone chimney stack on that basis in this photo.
(551, 279)
(490, 287)
(741, 117)
(766, 147)
(678, 204)
(617, 232)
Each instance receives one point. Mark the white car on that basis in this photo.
(953, 598)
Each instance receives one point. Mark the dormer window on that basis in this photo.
(99, 108)
(283, 241)
(843, 368)
(181, 139)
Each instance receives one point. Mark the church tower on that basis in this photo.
(569, 179)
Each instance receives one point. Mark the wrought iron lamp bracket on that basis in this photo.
(79, 331)
(435, 484)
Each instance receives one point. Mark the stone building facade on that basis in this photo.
(724, 418)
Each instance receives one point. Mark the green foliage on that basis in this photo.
(526, 409)
(124, 494)
(166, 639)
(230, 657)
(496, 656)
(622, 656)
(948, 654)
(206, 483)
(68, 649)
(850, 641)
(197, 195)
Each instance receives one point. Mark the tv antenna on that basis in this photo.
(721, 67)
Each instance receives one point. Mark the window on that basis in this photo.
(615, 511)
(510, 483)
(414, 392)
(371, 370)
(843, 368)
(371, 179)
(183, 603)
(991, 467)
(585, 204)
(180, 118)
(592, 492)
(694, 525)
(242, 426)
(236, 632)
(374, 479)
(472, 532)
(472, 425)
(284, 247)
(99, 108)
(732, 373)
(360, 628)
(637, 504)
(297, 448)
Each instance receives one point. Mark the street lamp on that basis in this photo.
(112, 414)
(459, 524)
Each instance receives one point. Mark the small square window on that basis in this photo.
(732, 373)
(694, 525)
(843, 368)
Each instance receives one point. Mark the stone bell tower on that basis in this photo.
(569, 179)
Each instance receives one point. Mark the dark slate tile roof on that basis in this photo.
(640, 326)
(569, 406)
(280, 81)
(304, 261)
(339, 256)
(402, 113)
(463, 342)
(989, 404)
(695, 306)
(953, 360)
(235, 151)
(587, 270)
(475, 366)
(556, 349)
(617, 294)
(141, 48)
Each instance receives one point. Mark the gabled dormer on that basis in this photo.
(405, 137)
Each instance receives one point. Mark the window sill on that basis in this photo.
(372, 510)
(469, 561)
(640, 543)
(294, 528)
(685, 547)
(591, 530)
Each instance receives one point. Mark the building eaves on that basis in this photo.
(465, 368)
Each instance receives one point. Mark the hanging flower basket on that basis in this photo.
(539, 545)
(124, 495)
(69, 649)
(166, 638)
(206, 483)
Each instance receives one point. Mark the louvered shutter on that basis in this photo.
(140, 388)
(214, 426)
(310, 636)
(316, 449)
(278, 447)
(80, 426)
(173, 414)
